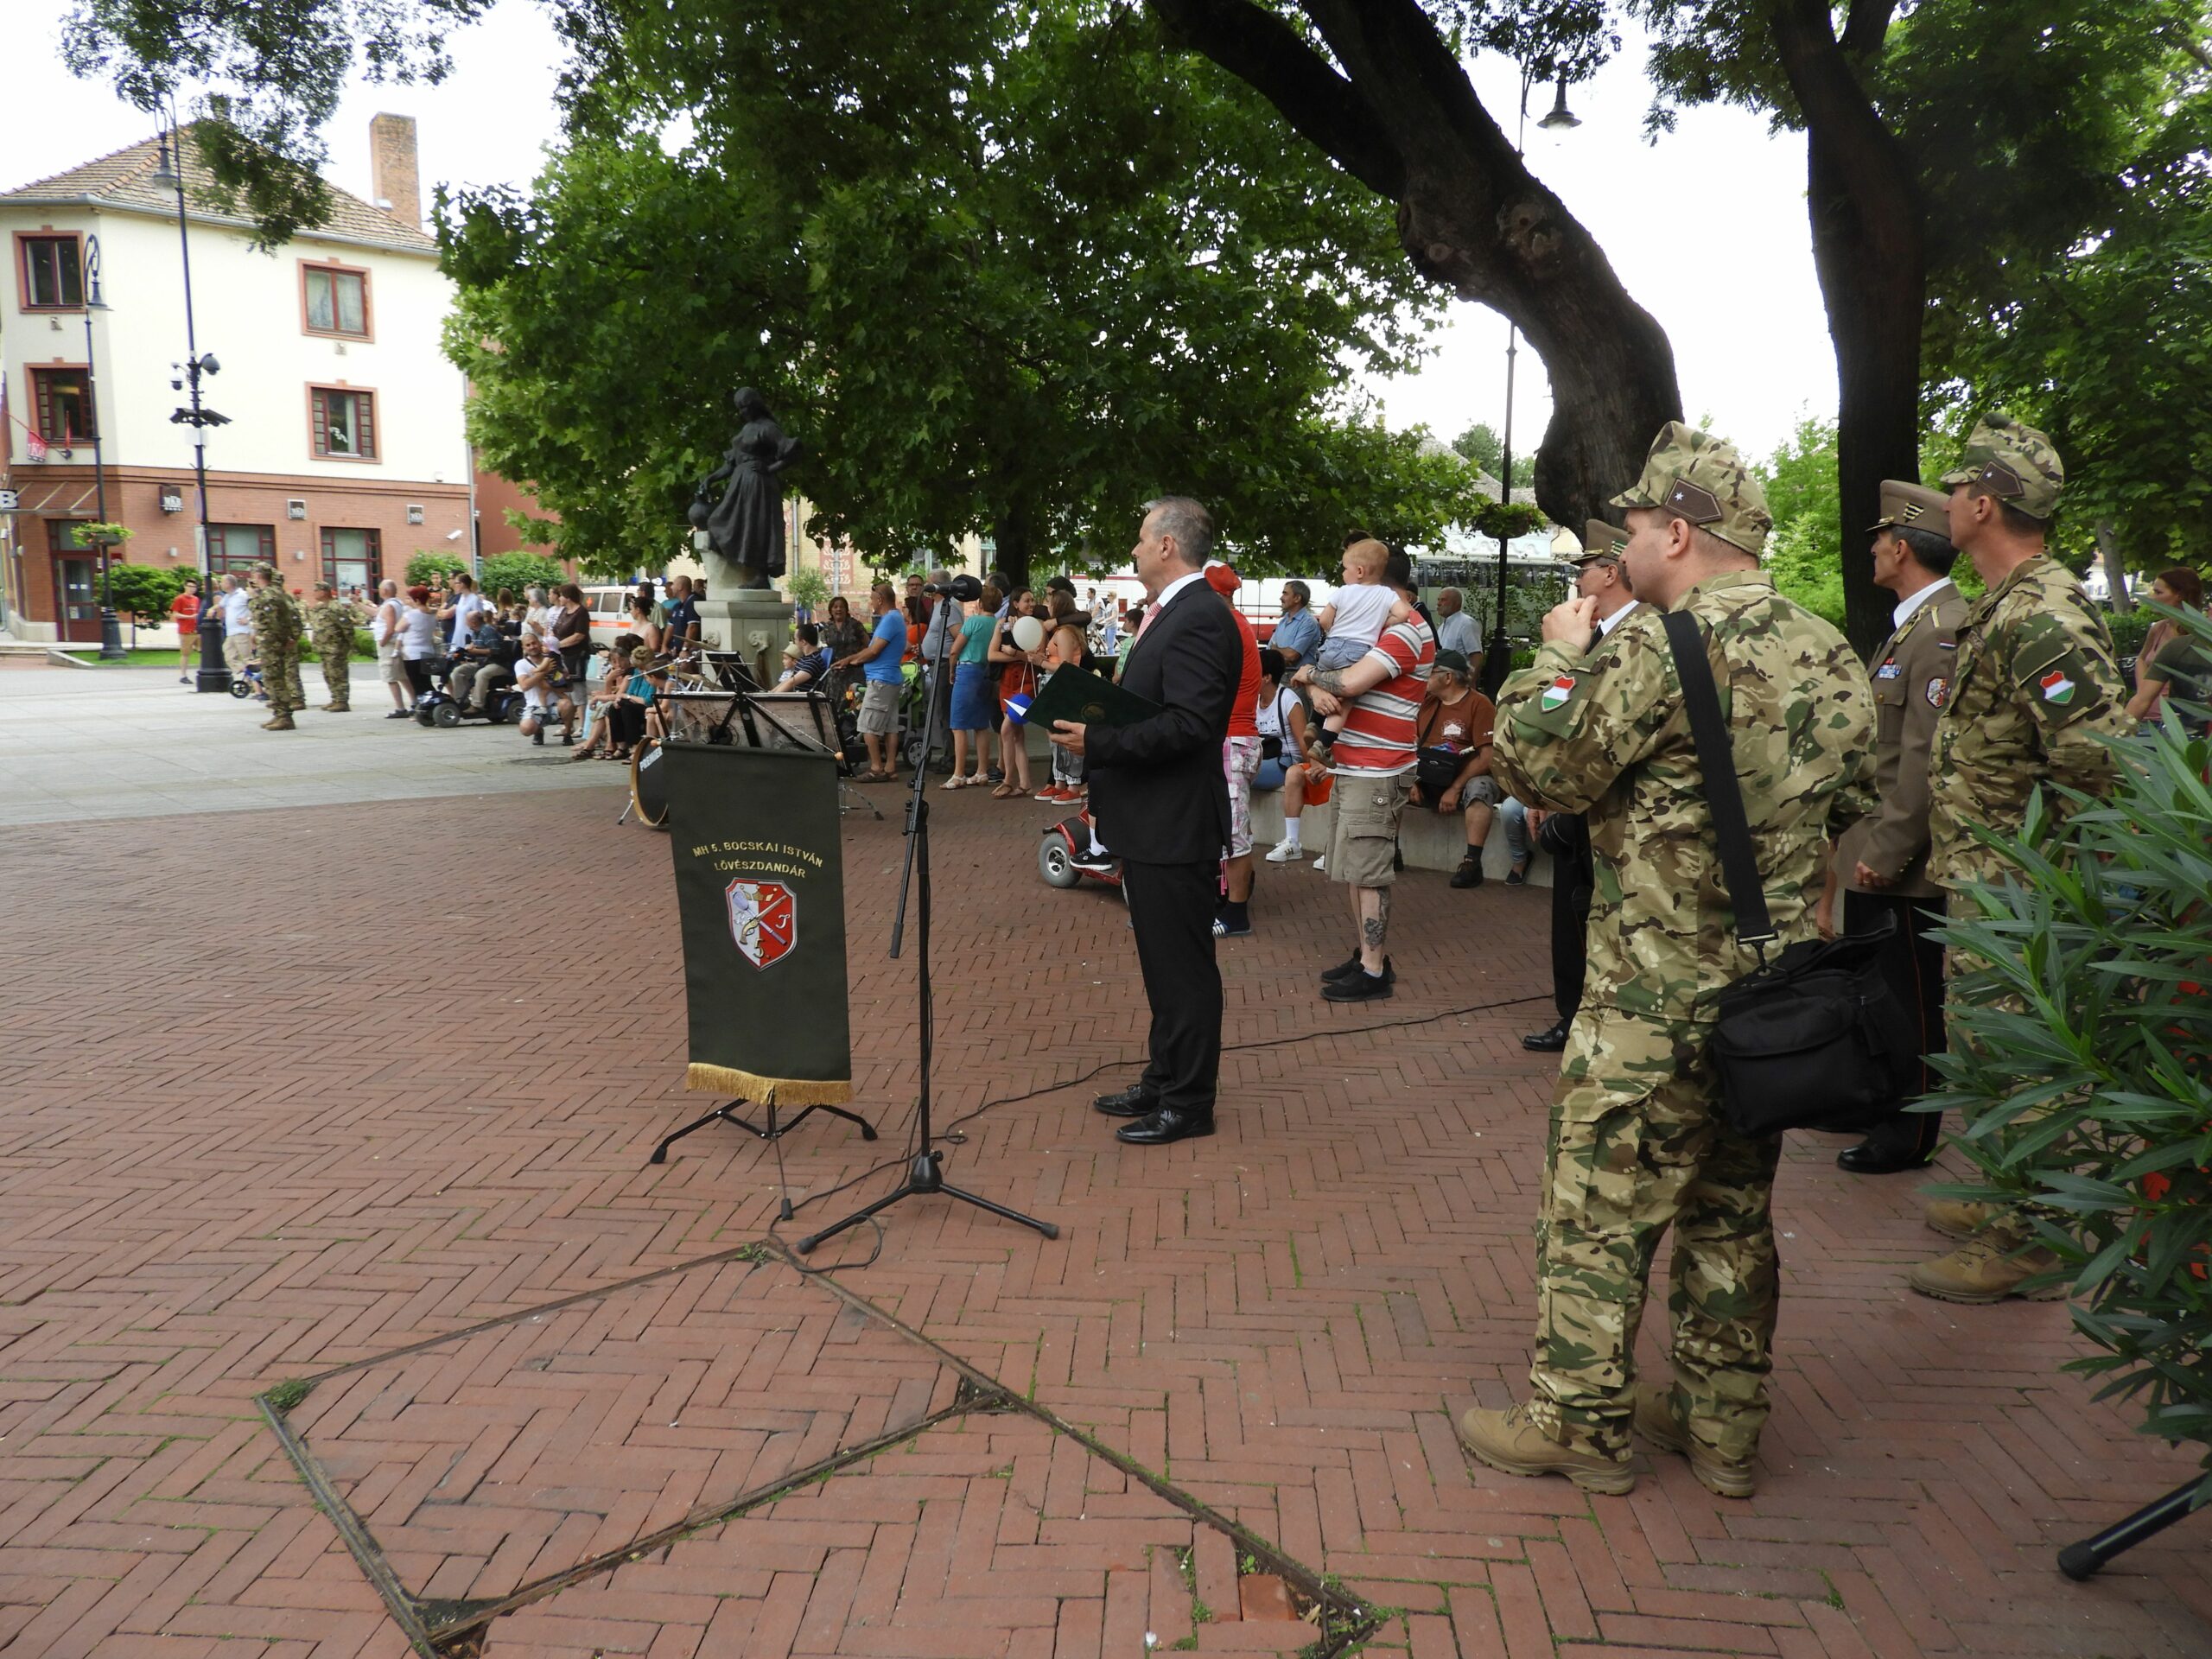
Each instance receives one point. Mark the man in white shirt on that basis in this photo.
(462, 613)
(237, 627)
(1456, 631)
(385, 626)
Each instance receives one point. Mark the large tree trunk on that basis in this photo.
(1868, 250)
(1396, 111)
(1015, 547)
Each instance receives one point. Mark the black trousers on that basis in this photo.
(1916, 968)
(1570, 937)
(1171, 908)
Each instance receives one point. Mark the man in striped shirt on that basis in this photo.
(1373, 759)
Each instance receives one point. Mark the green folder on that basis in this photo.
(1077, 693)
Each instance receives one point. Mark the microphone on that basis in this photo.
(965, 588)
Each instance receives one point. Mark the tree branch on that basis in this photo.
(1865, 26)
(1263, 51)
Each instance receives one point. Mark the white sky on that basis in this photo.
(1744, 312)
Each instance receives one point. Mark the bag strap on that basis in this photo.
(1716, 760)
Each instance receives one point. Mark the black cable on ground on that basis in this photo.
(949, 1136)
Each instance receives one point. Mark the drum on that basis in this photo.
(649, 785)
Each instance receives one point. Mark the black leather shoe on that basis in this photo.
(1887, 1152)
(1362, 986)
(1136, 1101)
(1550, 1040)
(1344, 970)
(1164, 1124)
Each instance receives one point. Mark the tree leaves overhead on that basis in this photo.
(268, 73)
(1011, 289)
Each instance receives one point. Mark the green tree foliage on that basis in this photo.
(807, 588)
(1806, 550)
(145, 591)
(1010, 272)
(426, 565)
(518, 572)
(1480, 444)
(2082, 1067)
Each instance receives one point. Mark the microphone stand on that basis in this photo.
(926, 1174)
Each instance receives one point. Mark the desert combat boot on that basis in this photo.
(1510, 1441)
(1988, 1269)
(1656, 1420)
(1960, 1218)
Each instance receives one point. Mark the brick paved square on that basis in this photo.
(276, 1097)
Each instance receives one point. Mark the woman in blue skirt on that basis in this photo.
(974, 695)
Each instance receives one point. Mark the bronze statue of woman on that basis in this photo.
(745, 527)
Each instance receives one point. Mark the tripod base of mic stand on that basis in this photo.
(727, 1113)
(924, 1175)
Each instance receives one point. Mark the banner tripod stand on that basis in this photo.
(926, 1174)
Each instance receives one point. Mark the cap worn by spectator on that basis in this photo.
(1456, 661)
(1912, 506)
(1704, 480)
(2015, 463)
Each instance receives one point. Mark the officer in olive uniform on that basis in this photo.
(1881, 863)
(1637, 1145)
(275, 616)
(331, 622)
(2035, 685)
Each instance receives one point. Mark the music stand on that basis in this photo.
(926, 1174)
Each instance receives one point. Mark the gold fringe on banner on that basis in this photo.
(767, 1091)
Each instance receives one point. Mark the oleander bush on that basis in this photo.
(2082, 1066)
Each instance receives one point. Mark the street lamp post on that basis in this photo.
(214, 674)
(111, 625)
(1498, 658)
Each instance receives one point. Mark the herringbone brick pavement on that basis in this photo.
(275, 1099)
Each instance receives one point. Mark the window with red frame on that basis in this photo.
(345, 423)
(54, 273)
(61, 400)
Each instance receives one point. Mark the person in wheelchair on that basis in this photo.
(482, 665)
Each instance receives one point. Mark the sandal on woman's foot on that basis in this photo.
(1005, 792)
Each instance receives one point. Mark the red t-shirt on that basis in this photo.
(1243, 712)
(186, 608)
(1378, 735)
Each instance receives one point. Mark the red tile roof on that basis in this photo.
(125, 179)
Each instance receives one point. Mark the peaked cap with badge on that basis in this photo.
(1704, 480)
(1912, 506)
(1599, 541)
(2016, 463)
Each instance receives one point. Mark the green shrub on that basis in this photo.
(807, 587)
(2128, 628)
(520, 572)
(2081, 1066)
(144, 590)
(425, 565)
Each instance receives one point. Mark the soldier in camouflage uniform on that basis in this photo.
(2034, 687)
(331, 622)
(276, 642)
(1637, 1141)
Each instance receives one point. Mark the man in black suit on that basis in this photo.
(1160, 801)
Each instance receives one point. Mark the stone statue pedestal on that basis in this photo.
(755, 622)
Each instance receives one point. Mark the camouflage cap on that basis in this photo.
(1599, 541)
(1912, 506)
(2016, 463)
(1704, 480)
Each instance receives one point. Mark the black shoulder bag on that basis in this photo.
(1815, 1035)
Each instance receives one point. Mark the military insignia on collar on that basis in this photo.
(1556, 693)
(2002, 479)
(2056, 688)
(1938, 693)
(1695, 502)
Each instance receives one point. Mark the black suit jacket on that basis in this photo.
(1157, 789)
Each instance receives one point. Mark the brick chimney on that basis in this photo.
(392, 177)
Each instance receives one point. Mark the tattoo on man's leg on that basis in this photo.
(1376, 928)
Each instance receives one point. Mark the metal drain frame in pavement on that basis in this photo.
(446, 1629)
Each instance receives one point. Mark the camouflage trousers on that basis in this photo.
(280, 674)
(1637, 1146)
(335, 678)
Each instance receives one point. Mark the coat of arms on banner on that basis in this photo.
(763, 920)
